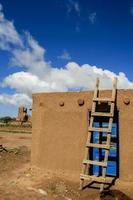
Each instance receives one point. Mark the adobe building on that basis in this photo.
(22, 115)
(60, 128)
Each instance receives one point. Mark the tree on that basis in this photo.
(6, 119)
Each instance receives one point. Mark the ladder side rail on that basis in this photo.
(114, 88)
(85, 168)
(107, 150)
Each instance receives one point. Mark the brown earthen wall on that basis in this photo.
(60, 132)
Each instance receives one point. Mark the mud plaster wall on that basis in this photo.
(60, 132)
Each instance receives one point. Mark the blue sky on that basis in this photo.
(51, 46)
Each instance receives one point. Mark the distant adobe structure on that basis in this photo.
(22, 115)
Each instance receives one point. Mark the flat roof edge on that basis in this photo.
(75, 92)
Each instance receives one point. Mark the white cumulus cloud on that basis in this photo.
(71, 77)
(8, 34)
(31, 57)
(16, 99)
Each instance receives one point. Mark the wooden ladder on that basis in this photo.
(87, 162)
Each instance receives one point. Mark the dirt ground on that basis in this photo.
(18, 181)
(10, 140)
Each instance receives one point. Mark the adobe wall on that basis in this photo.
(60, 132)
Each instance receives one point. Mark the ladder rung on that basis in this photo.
(96, 178)
(100, 146)
(94, 162)
(93, 178)
(102, 114)
(103, 99)
(100, 129)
